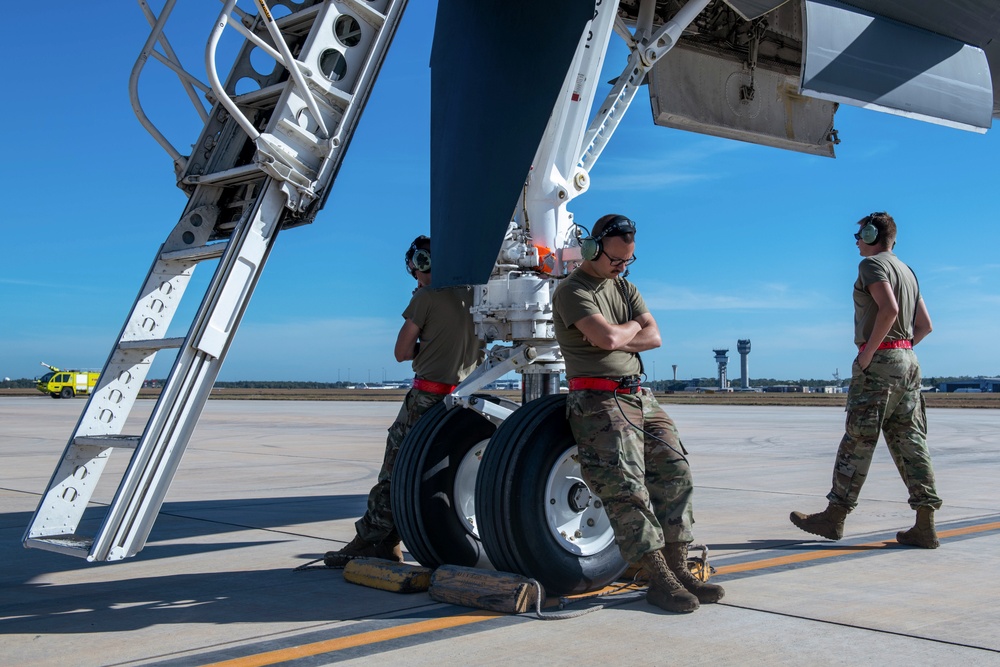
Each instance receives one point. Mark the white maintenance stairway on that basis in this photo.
(265, 161)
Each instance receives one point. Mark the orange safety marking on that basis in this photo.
(411, 629)
(373, 637)
(841, 551)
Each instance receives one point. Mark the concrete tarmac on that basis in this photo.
(266, 486)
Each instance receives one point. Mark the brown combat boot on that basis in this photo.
(922, 534)
(358, 548)
(664, 590)
(829, 523)
(676, 554)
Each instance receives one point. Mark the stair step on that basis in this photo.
(117, 441)
(243, 174)
(151, 344)
(196, 254)
(72, 545)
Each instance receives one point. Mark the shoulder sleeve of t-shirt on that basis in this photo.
(637, 302)
(574, 302)
(419, 307)
(872, 271)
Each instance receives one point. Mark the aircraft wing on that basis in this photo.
(767, 71)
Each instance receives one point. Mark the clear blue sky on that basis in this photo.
(735, 240)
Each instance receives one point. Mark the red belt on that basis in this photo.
(433, 387)
(600, 384)
(890, 345)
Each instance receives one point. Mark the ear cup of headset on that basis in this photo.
(590, 248)
(422, 260)
(869, 233)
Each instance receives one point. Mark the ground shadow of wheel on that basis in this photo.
(536, 517)
(433, 485)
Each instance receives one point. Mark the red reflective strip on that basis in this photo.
(433, 387)
(891, 345)
(600, 384)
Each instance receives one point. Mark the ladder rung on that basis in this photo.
(72, 545)
(151, 344)
(299, 23)
(256, 98)
(245, 173)
(118, 441)
(196, 254)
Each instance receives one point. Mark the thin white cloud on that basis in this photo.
(654, 179)
(770, 296)
(20, 282)
(695, 163)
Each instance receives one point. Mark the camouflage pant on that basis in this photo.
(885, 398)
(377, 524)
(643, 481)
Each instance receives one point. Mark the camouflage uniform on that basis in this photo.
(643, 481)
(449, 351)
(886, 398)
(377, 524)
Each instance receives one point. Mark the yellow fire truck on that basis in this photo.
(66, 384)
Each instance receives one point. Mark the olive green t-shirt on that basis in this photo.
(449, 347)
(885, 267)
(581, 295)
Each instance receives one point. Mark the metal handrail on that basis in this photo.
(180, 161)
(282, 55)
(293, 68)
(213, 74)
(171, 60)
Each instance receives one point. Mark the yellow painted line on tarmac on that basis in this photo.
(841, 551)
(411, 629)
(373, 637)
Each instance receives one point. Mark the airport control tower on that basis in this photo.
(743, 347)
(722, 359)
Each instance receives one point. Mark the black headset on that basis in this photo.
(592, 246)
(421, 257)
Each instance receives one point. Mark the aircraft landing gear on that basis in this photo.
(536, 516)
(433, 487)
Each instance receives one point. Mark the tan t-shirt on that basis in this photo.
(580, 295)
(885, 267)
(449, 347)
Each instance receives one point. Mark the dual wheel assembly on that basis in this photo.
(465, 492)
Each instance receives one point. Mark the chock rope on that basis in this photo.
(621, 594)
(615, 597)
(312, 566)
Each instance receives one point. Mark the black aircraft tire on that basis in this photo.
(424, 506)
(513, 512)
